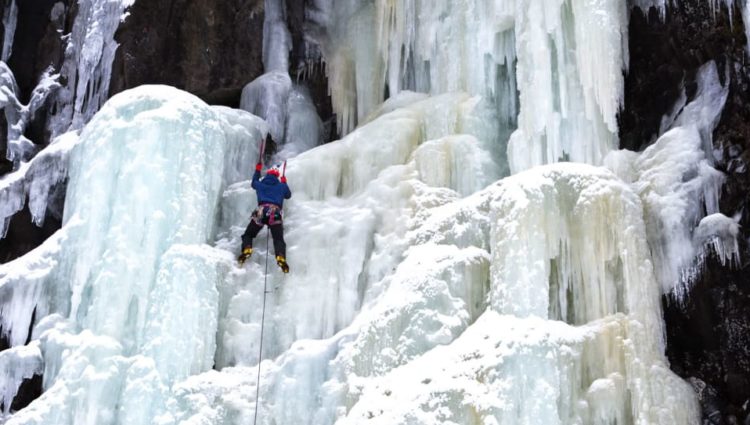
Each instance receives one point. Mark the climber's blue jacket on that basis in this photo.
(270, 190)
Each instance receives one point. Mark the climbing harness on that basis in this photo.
(266, 213)
(262, 327)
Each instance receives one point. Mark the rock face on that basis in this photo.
(210, 48)
(708, 338)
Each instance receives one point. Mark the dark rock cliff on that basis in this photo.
(708, 338)
(210, 48)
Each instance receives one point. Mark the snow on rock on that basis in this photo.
(676, 183)
(506, 370)
(24, 289)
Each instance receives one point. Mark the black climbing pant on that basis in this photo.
(268, 215)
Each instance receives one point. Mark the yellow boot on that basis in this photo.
(246, 253)
(281, 261)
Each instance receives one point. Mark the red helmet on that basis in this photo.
(274, 171)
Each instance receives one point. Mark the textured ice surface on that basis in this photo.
(39, 180)
(87, 65)
(18, 115)
(719, 233)
(551, 68)
(565, 242)
(16, 364)
(277, 41)
(287, 107)
(136, 291)
(677, 182)
(535, 294)
(10, 19)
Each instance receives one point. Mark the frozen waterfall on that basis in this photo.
(137, 298)
(474, 250)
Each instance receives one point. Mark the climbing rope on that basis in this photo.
(262, 326)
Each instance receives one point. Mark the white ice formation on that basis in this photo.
(86, 70)
(39, 181)
(293, 121)
(87, 65)
(35, 179)
(17, 115)
(535, 295)
(144, 185)
(677, 181)
(563, 97)
(424, 289)
(719, 233)
(10, 20)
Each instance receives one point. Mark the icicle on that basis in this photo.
(570, 61)
(416, 45)
(291, 115)
(277, 42)
(10, 19)
(38, 180)
(718, 232)
(16, 365)
(87, 66)
(716, 6)
(267, 97)
(18, 116)
(660, 5)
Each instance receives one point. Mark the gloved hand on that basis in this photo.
(258, 166)
(283, 179)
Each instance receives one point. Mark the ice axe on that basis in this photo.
(262, 150)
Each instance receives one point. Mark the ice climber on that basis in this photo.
(271, 192)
